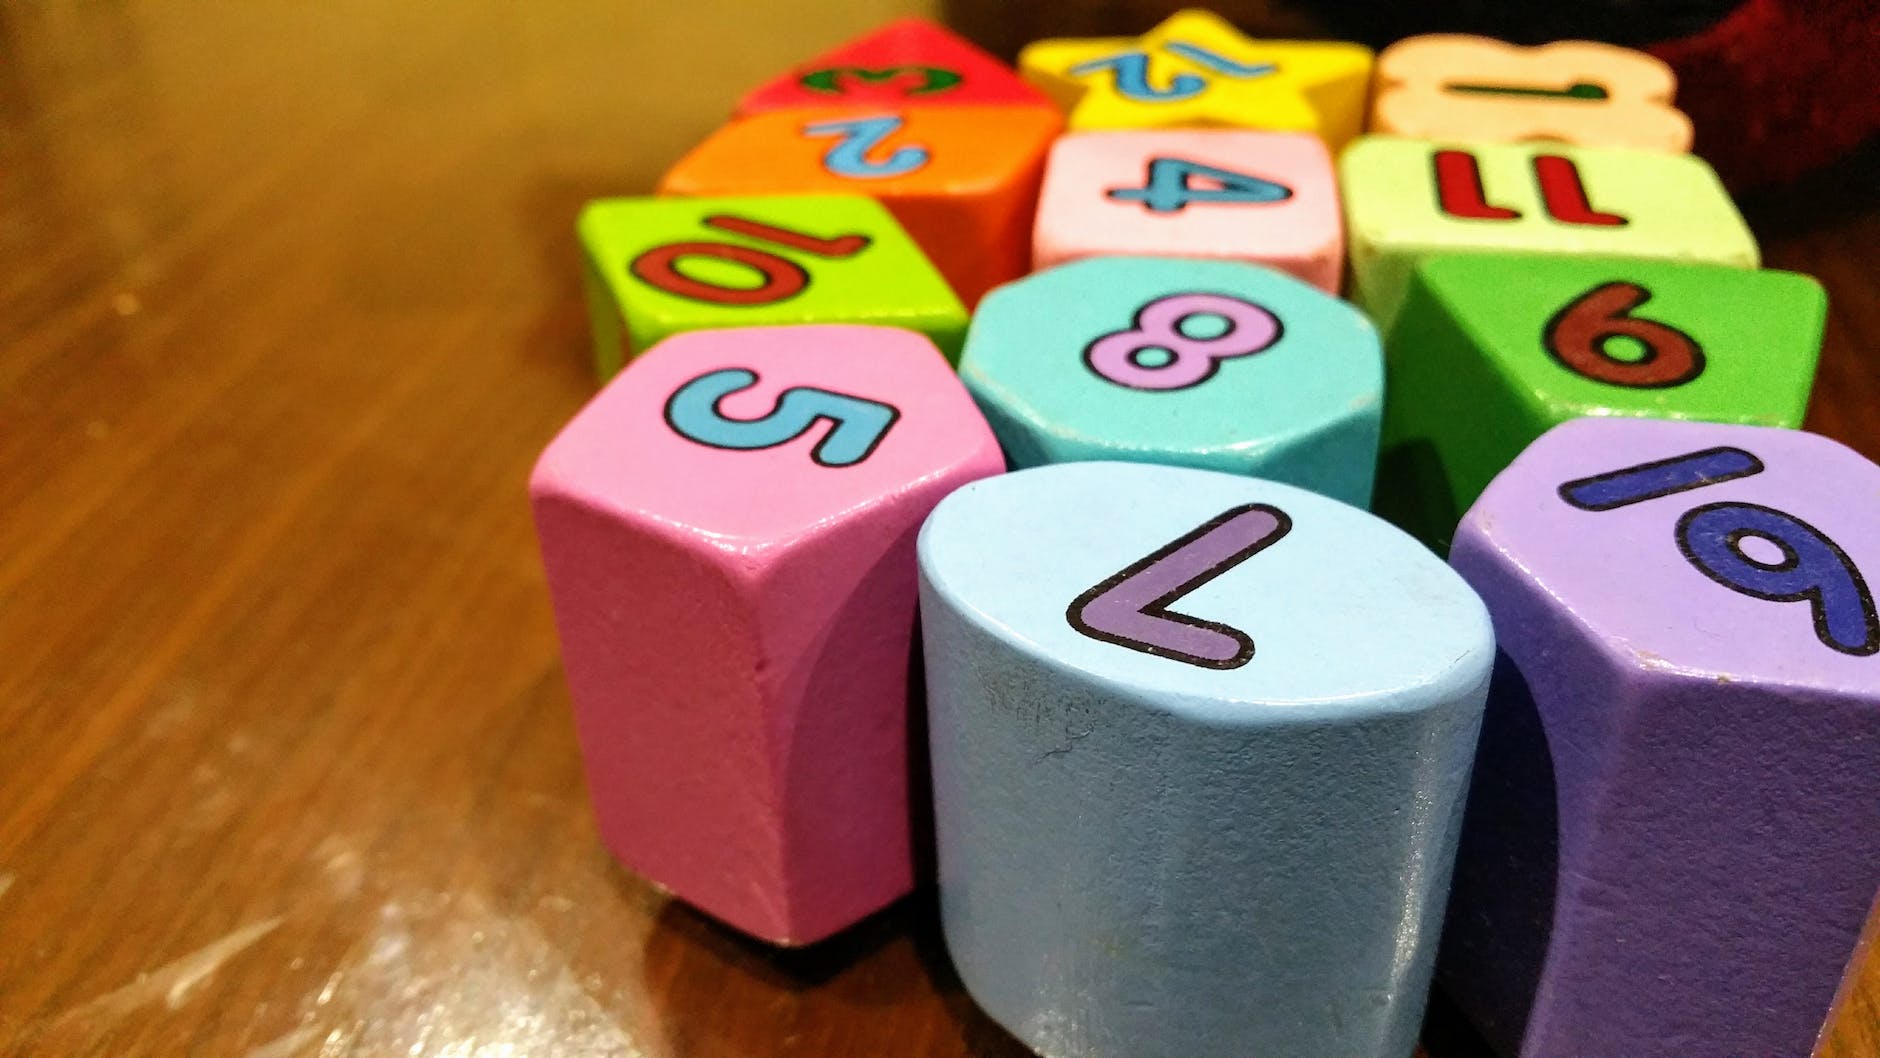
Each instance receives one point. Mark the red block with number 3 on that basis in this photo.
(907, 61)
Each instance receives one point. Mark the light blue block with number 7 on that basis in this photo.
(1200, 745)
(1219, 365)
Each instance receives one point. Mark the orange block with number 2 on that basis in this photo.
(963, 181)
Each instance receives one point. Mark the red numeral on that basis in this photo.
(1565, 194)
(781, 277)
(1578, 333)
(1459, 191)
(1459, 188)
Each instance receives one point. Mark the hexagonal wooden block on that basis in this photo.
(1200, 748)
(962, 180)
(1526, 343)
(1211, 364)
(728, 530)
(1266, 197)
(1678, 764)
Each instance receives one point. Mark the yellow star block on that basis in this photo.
(1197, 70)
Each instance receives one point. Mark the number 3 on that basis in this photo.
(858, 424)
(1117, 356)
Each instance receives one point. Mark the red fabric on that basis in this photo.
(1779, 87)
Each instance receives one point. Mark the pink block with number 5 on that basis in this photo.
(728, 532)
(1266, 197)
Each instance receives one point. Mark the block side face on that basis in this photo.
(1689, 557)
(1117, 878)
(1736, 862)
(879, 277)
(662, 660)
(1592, 336)
(1295, 395)
(1320, 576)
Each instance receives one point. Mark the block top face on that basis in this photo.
(1221, 598)
(1716, 552)
(1155, 355)
(1606, 336)
(1196, 192)
(1194, 69)
(753, 437)
(1443, 85)
(909, 60)
(892, 151)
(760, 259)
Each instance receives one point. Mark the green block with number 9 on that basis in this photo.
(1491, 351)
(657, 267)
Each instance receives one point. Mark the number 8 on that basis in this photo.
(1115, 357)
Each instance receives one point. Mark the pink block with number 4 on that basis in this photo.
(728, 532)
(1266, 197)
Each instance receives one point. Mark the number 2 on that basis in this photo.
(1131, 607)
(1117, 356)
(850, 156)
(857, 424)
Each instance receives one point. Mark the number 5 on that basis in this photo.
(858, 424)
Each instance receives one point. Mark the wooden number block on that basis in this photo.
(728, 531)
(1677, 767)
(1444, 86)
(1409, 199)
(962, 180)
(659, 267)
(1196, 69)
(1526, 343)
(1267, 197)
(907, 61)
(1211, 364)
(1200, 747)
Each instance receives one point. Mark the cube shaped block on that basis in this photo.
(909, 60)
(1673, 839)
(1443, 86)
(1410, 199)
(728, 531)
(1200, 748)
(658, 267)
(1195, 70)
(1266, 197)
(1210, 364)
(1526, 343)
(962, 180)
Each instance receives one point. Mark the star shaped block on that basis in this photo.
(1197, 70)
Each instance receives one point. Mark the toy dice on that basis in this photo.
(1526, 343)
(1210, 364)
(963, 180)
(1410, 199)
(1445, 86)
(728, 530)
(658, 267)
(1200, 746)
(1266, 197)
(1197, 70)
(1673, 839)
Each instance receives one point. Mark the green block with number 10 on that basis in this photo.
(657, 267)
(1491, 351)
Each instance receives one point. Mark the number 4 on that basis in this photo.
(1168, 187)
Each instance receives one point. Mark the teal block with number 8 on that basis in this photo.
(1217, 365)
(657, 267)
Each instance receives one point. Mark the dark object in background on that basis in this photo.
(1776, 88)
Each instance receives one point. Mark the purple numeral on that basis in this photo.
(1186, 361)
(1131, 608)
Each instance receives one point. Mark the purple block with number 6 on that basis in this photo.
(1673, 839)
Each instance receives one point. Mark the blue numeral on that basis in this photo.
(1219, 63)
(1166, 189)
(1666, 477)
(1132, 79)
(1811, 569)
(849, 157)
(857, 424)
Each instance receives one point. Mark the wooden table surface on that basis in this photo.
(288, 304)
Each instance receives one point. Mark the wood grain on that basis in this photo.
(288, 303)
